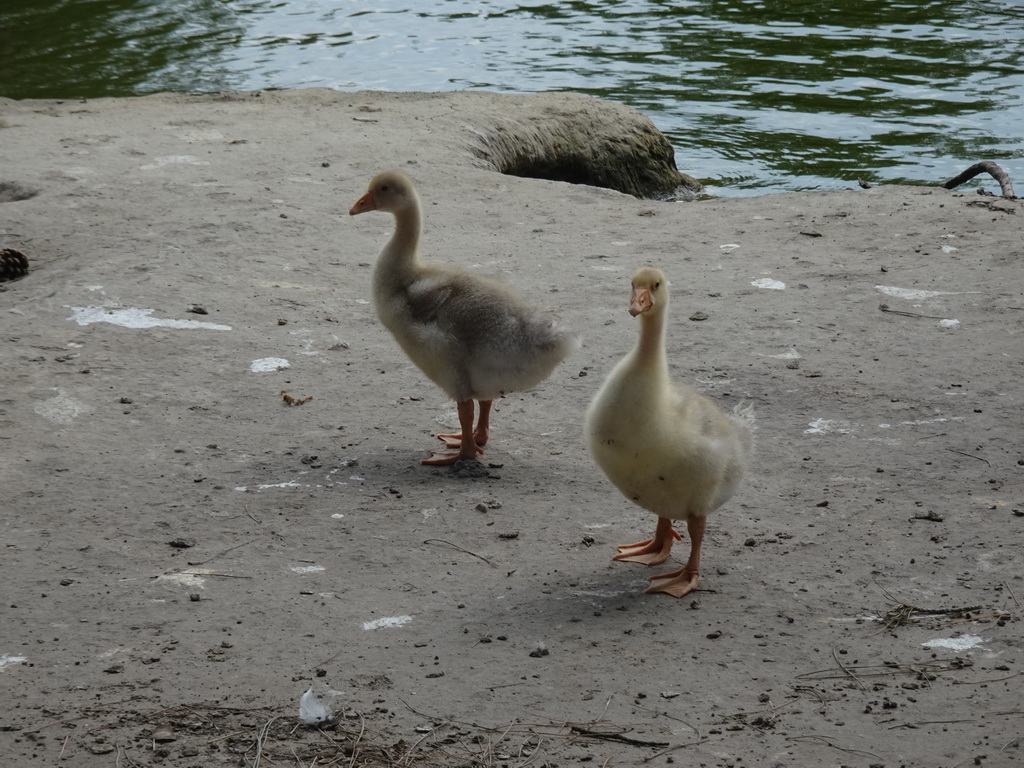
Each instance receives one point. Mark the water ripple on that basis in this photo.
(756, 95)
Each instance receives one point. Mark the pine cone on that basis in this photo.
(13, 264)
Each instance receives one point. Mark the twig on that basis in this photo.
(971, 619)
(220, 554)
(38, 264)
(63, 747)
(327, 736)
(694, 728)
(117, 760)
(458, 722)
(848, 672)
(493, 688)
(811, 689)
(584, 731)
(885, 308)
(492, 741)
(888, 670)
(604, 712)
(969, 455)
(985, 682)
(903, 612)
(355, 744)
(888, 594)
(945, 611)
(461, 549)
(831, 743)
(198, 573)
(1007, 585)
(335, 656)
(927, 722)
(407, 760)
(261, 740)
(533, 755)
(984, 167)
(742, 716)
(228, 736)
(673, 748)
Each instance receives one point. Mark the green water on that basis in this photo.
(756, 96)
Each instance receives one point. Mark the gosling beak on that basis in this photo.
(363, 204)
(639, 302)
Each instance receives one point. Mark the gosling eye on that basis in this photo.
(384, 188)
(657, 285)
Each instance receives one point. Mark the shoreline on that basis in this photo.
(179, 539)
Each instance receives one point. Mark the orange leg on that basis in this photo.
(468, 446)
(652, 551)
(684, 581)
(483, 429)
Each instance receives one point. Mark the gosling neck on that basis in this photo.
(650, 347)
(401, 250)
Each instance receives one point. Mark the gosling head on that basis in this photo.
(389, 191)
(650, 290)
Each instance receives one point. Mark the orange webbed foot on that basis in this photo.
(467, 440)
(442, 458)
(652, 551)
(677, 583)
(477, 437)
(454, 439)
